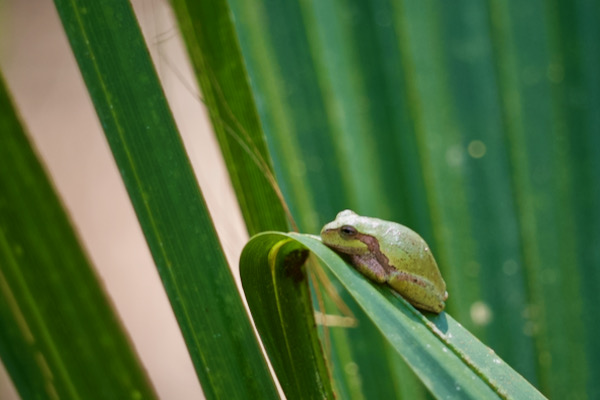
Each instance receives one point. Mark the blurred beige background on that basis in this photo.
(47, 88)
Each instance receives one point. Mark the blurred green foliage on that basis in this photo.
(477, 125)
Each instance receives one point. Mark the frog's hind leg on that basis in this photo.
(418, 291)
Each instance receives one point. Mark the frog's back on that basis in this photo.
(409, 252)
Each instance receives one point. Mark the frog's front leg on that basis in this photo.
(369, 265)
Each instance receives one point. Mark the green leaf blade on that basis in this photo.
(209, 33)
(286, 325)
(450, 361)
(60, 337)
(149, 152)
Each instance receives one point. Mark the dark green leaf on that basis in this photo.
(208, 30)
(276, 287)
(59, 337)
(475, 124)
(114, 61)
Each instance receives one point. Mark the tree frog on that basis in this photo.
(387, 252)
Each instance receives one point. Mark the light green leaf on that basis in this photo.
(448, 359)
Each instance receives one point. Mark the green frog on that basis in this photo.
(388, 252)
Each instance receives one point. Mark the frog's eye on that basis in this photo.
(348, 231)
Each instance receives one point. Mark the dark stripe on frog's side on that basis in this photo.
(373, 246)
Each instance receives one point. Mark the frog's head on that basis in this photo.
(345, 233)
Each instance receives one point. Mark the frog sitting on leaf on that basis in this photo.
(387, 252)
